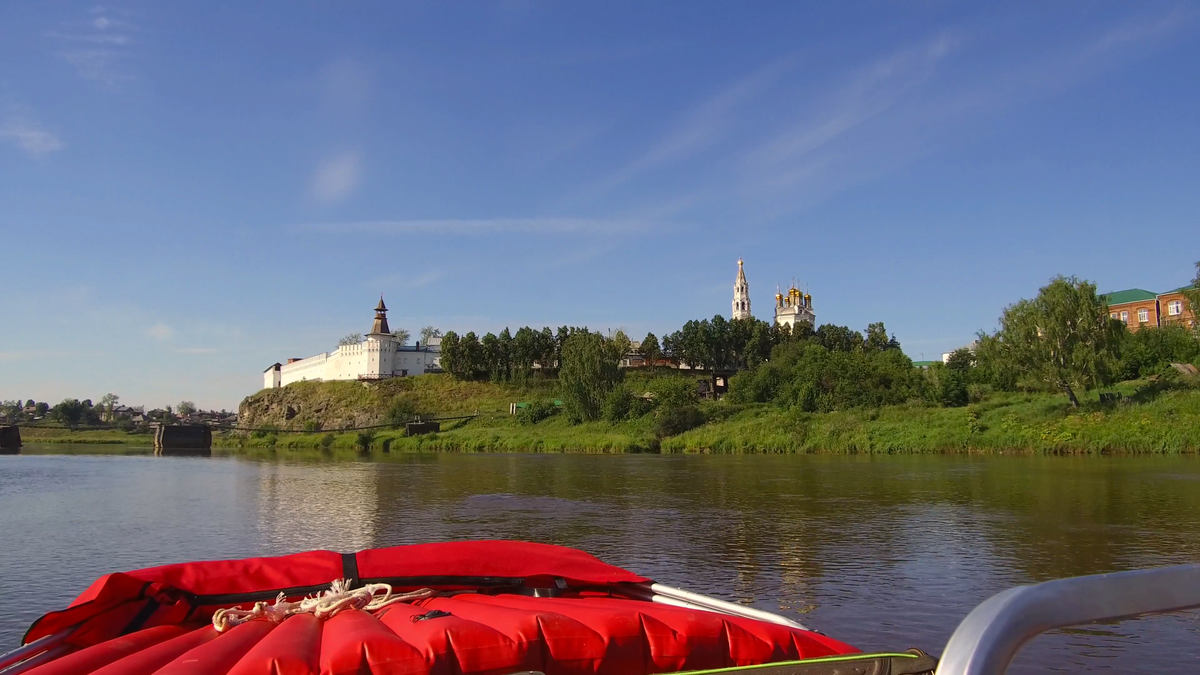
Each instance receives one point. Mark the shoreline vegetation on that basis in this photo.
(1062, 374)
(1152, 416)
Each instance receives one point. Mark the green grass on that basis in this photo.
(1156, 420)
(1159, 422)
(1152, 418)
(89, 436)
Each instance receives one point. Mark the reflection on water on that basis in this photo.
(883, 552)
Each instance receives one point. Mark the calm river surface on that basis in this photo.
(882, 552)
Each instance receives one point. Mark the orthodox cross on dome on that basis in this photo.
(380, 327)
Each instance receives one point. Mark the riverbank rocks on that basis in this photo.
(311, 406)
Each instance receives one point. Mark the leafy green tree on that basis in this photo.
(351, 339)
(1063, 338)
(185, 408)
(560, 341)
(877, 338)
(1192, 295)
(953, 377)
(618, 344)
(490, 347)
(547, 350)
(41, 408)
(811, 378)
(618, 404)
(471, 353)
(587, 375)
(505, 347)
(839, 338)
(741, 332)
(524, 353)
(69, 412)
(451, 359)
(993, 365)
(428, 333)
(758, 348)
(693, 344)
(718, 343)
(401, 336)
(30, 403)
(649, 349)
(109, 402)
(1152, 350)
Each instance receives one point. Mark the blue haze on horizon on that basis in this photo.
(191, 193)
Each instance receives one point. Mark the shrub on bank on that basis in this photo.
(811, 378)
(674, 420)
(537, 411)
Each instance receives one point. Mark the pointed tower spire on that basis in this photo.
(741, 294)
(380, 327)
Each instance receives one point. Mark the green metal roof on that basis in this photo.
(1130, 295)
(1181, 289)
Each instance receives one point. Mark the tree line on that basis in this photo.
(1062, 340)
(709, 345)
(515, 357)
(73, 412)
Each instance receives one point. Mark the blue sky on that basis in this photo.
(191, 193)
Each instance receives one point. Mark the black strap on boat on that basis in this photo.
(350, 568)
(431, 614)
(141, 617)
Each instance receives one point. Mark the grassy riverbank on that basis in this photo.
(35, 434)
(1152, 418)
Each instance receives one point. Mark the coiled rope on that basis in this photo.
(340, 596)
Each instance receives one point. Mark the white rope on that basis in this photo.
(340, 596)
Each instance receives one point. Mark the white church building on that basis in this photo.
(378, 357)
(790, 309)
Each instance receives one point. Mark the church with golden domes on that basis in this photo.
(790, 308)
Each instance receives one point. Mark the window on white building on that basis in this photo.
(1125, 317)
(1143, 315)
(1175, 307)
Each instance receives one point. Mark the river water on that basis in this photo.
(882, 552)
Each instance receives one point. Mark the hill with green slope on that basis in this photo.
(1153, 416)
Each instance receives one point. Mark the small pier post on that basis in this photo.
(183, 440)
(10, 439)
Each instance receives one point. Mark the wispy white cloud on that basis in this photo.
(97, 47)
(337, 177)
(699, 128)
(160, 331)
(491, 226)
(28, 135)
(869, 93)
(907, 104)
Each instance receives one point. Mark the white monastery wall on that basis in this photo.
(372, 359)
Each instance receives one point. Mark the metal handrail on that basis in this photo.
(986, 641)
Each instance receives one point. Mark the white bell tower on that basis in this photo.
(741, 295)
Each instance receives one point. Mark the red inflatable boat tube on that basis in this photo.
(158, 620)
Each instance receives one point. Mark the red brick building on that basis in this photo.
(1136, 307)
(1176, 309)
